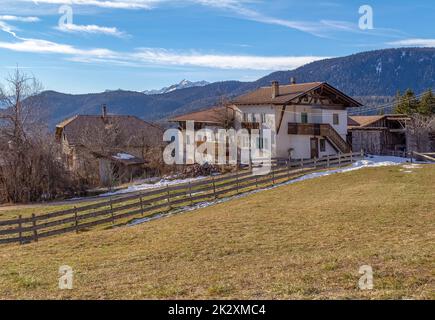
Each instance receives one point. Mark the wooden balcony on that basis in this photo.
(320, 129)
(250, 125)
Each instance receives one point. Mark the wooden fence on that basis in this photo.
(148, 203)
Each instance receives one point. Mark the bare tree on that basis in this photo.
(30, 166)
(224, 115)
(419, 129)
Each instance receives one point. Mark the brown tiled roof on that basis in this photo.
(213, 115)
(288, 93)
(83, 128)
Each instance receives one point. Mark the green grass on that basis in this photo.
(306, 240)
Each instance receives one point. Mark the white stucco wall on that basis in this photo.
(299, 143)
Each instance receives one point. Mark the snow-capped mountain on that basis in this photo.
(182, 85)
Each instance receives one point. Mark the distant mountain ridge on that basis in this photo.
(183, 84)
(372, 77)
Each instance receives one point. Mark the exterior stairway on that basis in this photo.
(321, 129)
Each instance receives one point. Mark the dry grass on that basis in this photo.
(304, 241)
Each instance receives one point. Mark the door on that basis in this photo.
(314, 148)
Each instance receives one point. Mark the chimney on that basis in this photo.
(292, 80)
(104, 110)
(275, 89)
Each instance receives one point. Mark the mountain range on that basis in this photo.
(182, 85)
(372, 77)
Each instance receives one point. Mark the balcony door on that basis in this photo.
(314, 145)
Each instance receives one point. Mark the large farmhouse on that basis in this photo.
(309, 119)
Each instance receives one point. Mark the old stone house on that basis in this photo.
(109, 147)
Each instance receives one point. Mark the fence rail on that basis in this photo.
(27, 229)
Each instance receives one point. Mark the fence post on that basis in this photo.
(362, 153)
(237, 180)
(339, 159)
(315, 162)
(327, 161)
(302, 162)
(351, 157)
(76, 221)
(168, 196)
(35, 231)
(256, 182)
(20, 232)
(214, 187)
(190, 194)
(273, 177)
(111, 211)
(141, 206)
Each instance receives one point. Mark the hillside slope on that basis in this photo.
(249, 249)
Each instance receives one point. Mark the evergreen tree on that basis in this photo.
(427, 104)
(407, 104)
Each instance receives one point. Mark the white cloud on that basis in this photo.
(163, 57)
(114, 4)
(93, 29)
(237, 7)
(19, 19)
(415, 42)
(219, 61)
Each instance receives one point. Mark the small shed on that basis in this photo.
(381, 134)
(119, 166)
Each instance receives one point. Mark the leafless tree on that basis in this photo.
(419, 129)
(224, 114)
(30, 166)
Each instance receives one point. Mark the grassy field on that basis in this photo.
(305, 240)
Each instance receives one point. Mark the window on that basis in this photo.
(304, 117)
(322, 145)
(245, 117)
(335, 119)
(260, 143)
(263, 118)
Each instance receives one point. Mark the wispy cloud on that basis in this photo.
(164, 57)
(113, 4)
(6, 27)
(90, 29)
(237, 7)
(19, 19)
(414, 42)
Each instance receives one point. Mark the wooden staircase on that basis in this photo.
(321, 129)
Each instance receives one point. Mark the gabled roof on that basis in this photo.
(364, 121)
(85, 128)
(289, 93)
(213, 115)
(370, 121)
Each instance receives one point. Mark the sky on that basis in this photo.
(83, 46)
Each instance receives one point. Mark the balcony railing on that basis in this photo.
(250, 125)
(320, 129)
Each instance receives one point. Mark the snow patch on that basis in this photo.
(123, 156)
(146, 186)
(368, 162)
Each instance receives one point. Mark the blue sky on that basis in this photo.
(147, 44)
